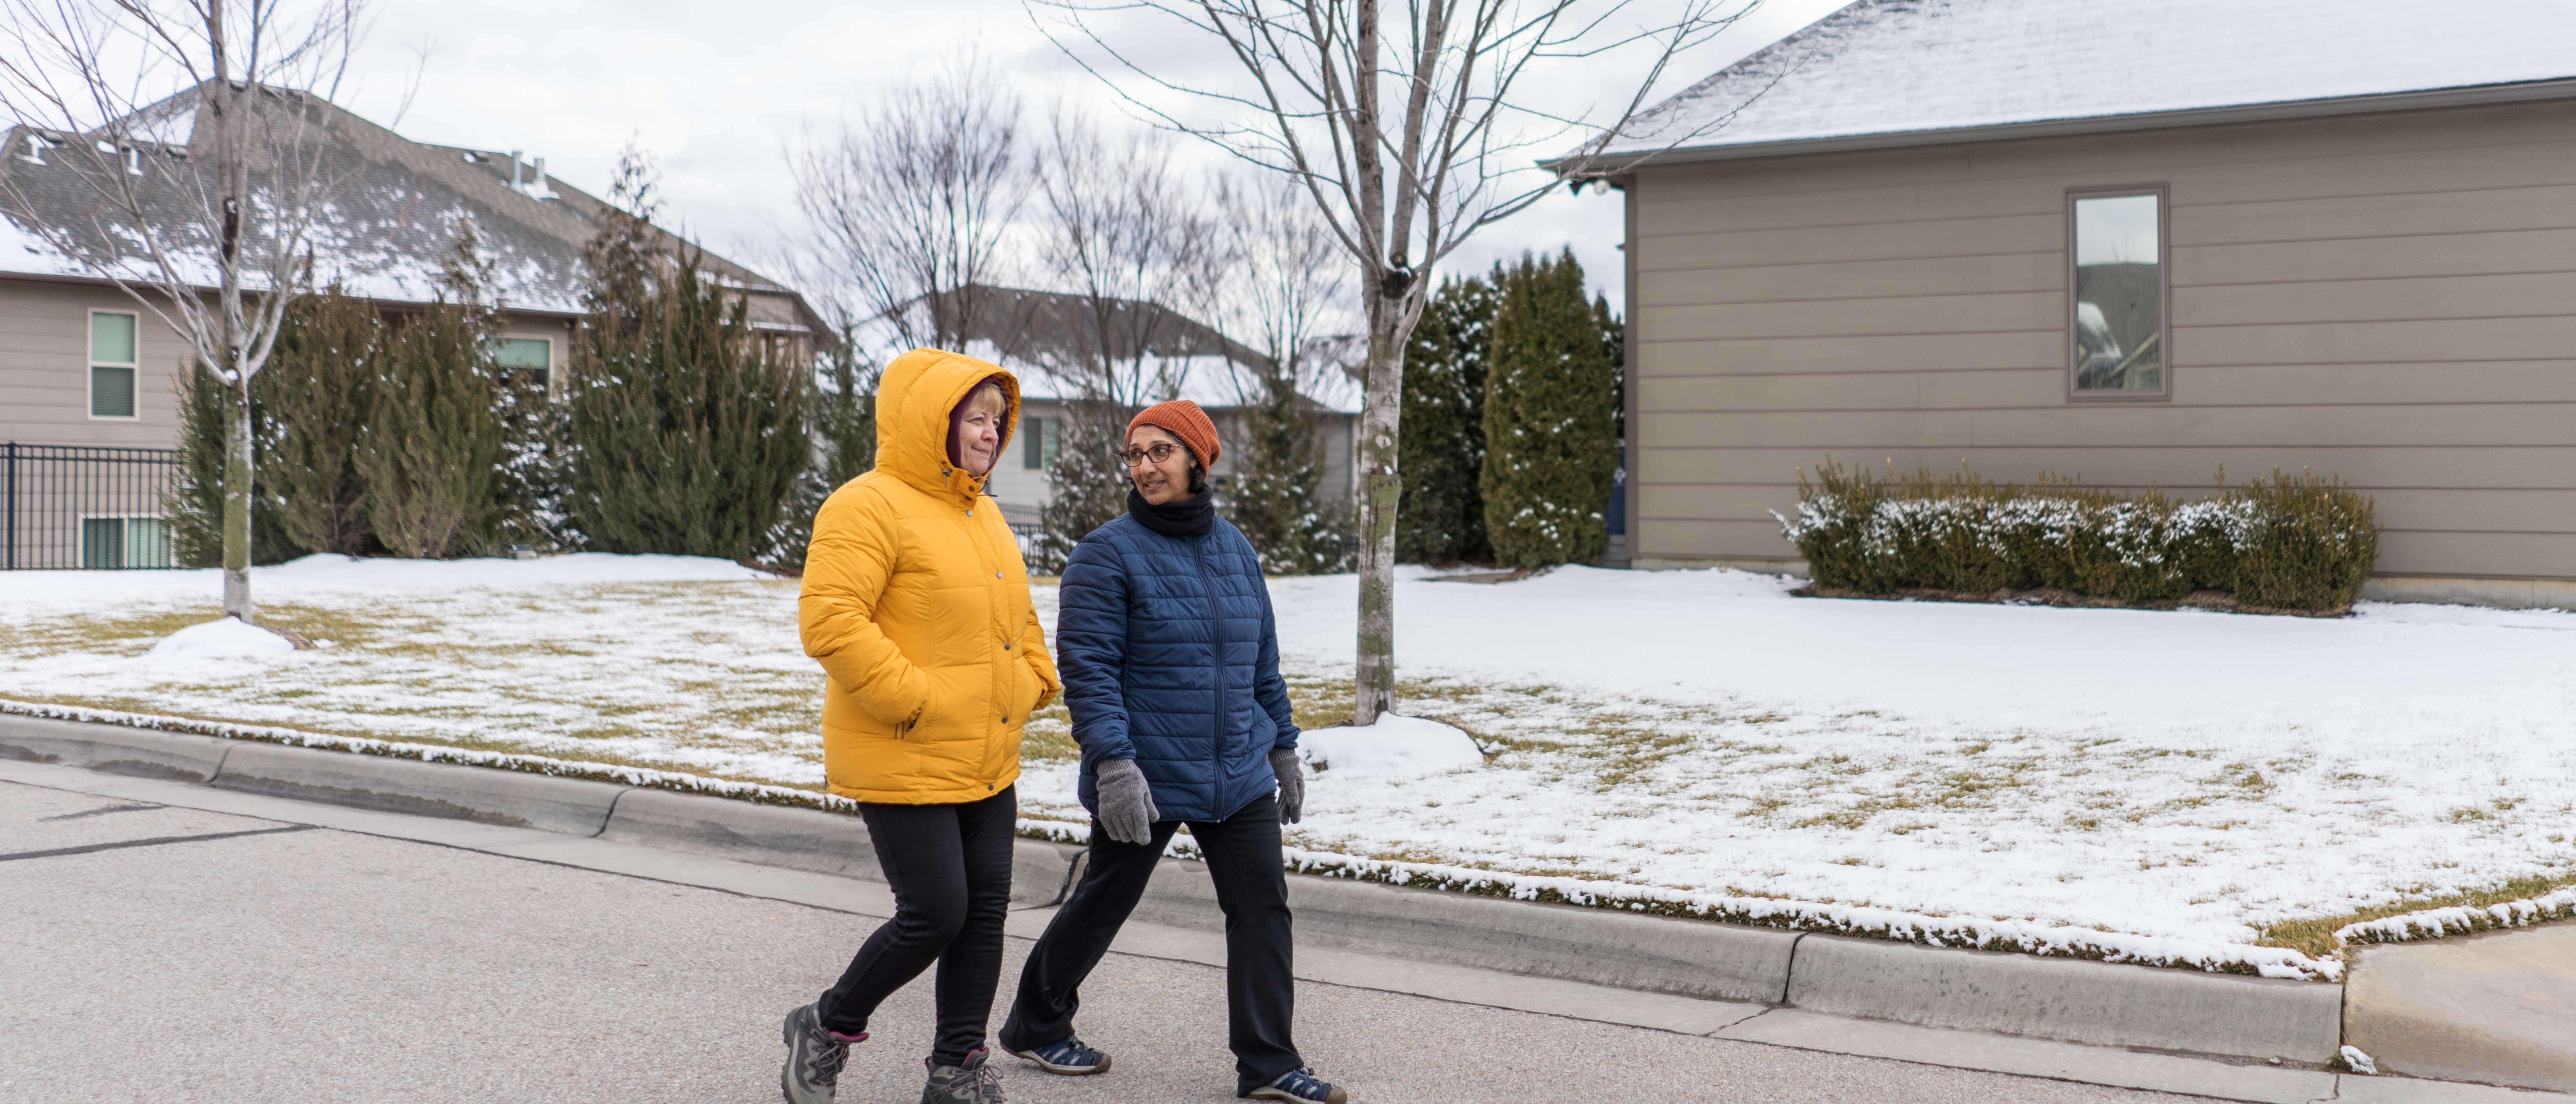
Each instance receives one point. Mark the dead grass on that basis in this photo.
(2315, 936)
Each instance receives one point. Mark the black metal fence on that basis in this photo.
(84, 507)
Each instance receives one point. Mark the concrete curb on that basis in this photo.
(2068, 999)
(1684, 957)
(177, 757)
(2088, 1002)
(798, 839)
(572, 806)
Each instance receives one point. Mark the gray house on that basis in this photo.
(2131, 243)
(87, 378)
(1046, 338)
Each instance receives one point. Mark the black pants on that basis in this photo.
(1242, 854)
(950, 869)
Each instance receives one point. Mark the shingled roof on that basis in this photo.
(389, 223)
(1910, 72)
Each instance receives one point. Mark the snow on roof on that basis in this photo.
(1893, 67)
(1027, 331)
(384, 232)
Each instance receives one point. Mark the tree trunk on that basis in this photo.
(1380, 490)
(237, 502)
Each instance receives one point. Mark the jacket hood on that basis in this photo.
(914, 398)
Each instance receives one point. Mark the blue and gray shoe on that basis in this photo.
(1069, 1058)
(1301, 1087)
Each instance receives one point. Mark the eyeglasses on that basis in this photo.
(1159, 452)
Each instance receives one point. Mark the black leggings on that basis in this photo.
(1242, 853)
(950, 868)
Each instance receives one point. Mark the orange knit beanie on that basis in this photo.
(1183, 419)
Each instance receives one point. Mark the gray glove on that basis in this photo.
(1292, 784)
(1126, 802)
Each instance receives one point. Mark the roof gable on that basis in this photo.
(387, 228)
(1879, 70)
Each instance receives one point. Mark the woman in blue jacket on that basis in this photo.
(1170, 662)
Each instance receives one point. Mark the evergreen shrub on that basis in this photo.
(1551, 419)
(1440, 513)
(193, 508)
(686, 436)
(316, 396)
(1277, 497)
(431, 457)
(1090, 481)
(2297, 543)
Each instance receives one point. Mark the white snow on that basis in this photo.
(1895, 66)
(222, 638)
(2137, 785)
(25, 595)
(1396, 746)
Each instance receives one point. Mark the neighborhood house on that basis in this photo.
(88, 400)
(2135, 244)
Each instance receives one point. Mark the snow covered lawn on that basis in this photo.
(2193, 779)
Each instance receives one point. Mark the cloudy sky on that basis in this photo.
(717, 92)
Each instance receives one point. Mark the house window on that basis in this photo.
(122, 543)
(2116, 334)
(111, 364)
(534, 356)
(1043, 439)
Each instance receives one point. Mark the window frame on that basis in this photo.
(554, 358)
(125, 550)
(90, 364)
(2164, 292)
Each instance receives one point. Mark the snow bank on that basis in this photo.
(2431, 673)
(222, 638)
(27, 594)
(1396, 746)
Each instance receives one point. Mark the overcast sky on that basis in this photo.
(716, 92)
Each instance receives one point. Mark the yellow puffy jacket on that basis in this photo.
(917, 605)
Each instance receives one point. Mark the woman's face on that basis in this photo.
(1159, 481)
(975, 432)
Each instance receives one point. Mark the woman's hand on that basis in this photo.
(1127, 810)
(1292, 784)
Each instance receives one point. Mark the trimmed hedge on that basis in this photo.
(2295, 543)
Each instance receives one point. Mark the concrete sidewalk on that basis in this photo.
(170, 941)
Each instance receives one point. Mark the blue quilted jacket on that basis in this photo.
(1170, 657)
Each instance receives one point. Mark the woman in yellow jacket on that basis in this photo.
(917, 605)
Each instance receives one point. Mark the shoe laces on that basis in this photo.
(1070, 1052)
(976, 1080)
(826, 1055)
(1304, 1085)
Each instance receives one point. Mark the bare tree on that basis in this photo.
(194, 136)
(1409, 129)
(912, 206)
(1283, 291)
(1125, 241)
(1126, 234)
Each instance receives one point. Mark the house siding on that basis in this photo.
(44, 368)
(2390, 299)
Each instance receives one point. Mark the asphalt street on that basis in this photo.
(158, 953)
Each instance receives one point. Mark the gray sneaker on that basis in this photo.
(814, 1058)
(968, 1082)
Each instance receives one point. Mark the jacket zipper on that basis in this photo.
(1216, 669)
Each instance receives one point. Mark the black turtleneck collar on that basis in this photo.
(1181, 517)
